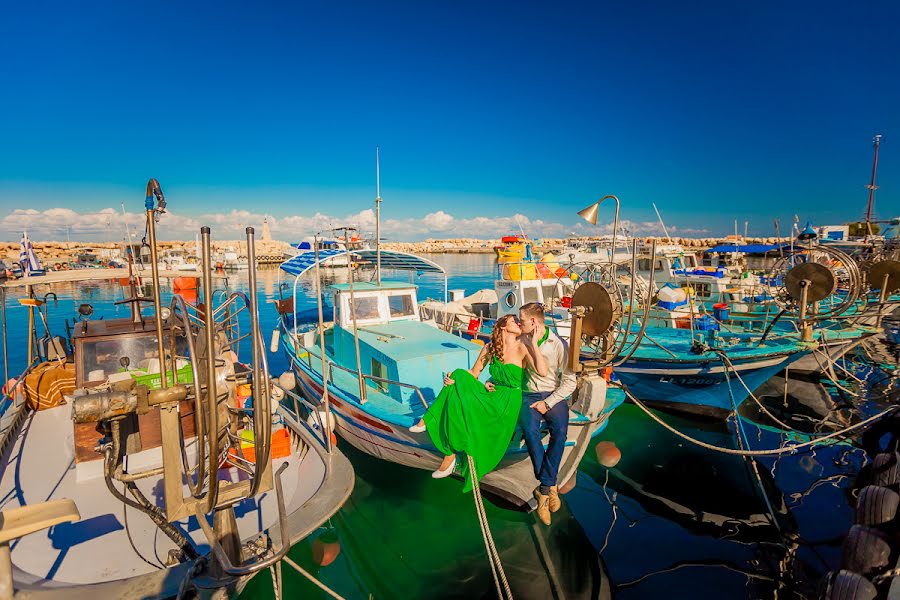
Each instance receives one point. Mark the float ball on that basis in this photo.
(608, 454)
(325, 549)
(569, 485)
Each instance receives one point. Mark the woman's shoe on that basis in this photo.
(418, 428)
(441, 473)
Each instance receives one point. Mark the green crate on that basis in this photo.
(152, 380)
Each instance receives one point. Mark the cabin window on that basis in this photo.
(366, 308)
(401, 306)
(643, 264)
(690, 261)
(531, 295)
(703, 290)
(510, 299)
(379, 370)
(549, 293)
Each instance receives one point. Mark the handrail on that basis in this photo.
(364, 376)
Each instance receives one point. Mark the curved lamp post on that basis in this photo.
(589, 214)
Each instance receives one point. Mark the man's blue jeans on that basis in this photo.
(545, 462)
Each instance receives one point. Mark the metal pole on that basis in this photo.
(5, 349)
(153, 188)
(211, 394)
(262, 407)
(872, 187)
(359, 373)
(377, 218)
(325, 400)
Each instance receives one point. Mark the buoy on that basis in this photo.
(326, 548)
(569, 485)
(9, 386)
(608, 454)
(277, 394)
(184, 283)
(276, 338)
(288, 381)
(314, 422)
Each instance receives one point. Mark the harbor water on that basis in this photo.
(671, 520)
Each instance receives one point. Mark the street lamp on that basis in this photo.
(589, 214)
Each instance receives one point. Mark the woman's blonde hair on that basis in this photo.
(496, 346)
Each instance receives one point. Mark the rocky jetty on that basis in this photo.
(468, 245)
(50, 253)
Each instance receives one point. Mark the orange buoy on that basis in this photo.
(569, 485)
(184, 283)
(326, 548)
(608, 454)
(9, 386)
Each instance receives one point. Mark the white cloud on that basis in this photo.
(109, 224)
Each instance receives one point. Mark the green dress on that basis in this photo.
(467, 418)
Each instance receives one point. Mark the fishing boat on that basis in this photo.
(121, 440)
(378, 366)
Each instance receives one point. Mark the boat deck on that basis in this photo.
(41, 466)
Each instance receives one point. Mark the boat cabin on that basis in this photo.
(394, 345)
(108, 350)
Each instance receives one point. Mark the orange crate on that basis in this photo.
(281, 446)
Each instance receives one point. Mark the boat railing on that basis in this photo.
(331, 365)
(11, 408)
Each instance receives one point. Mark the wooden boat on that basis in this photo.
(170, 427)
(379, 365)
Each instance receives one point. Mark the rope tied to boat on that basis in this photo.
(788, 449)
(493, 557)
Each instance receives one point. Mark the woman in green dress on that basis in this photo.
(479, 419)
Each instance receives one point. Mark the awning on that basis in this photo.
(302, 263)
(401, 261)
(390, 260)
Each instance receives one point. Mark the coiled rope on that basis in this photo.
(493, 557)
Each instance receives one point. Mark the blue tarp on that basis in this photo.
(745, 248)
(390, 260)
(304, 262)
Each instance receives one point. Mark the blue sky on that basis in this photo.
(715, 111)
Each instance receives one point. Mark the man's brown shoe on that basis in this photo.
(554, 499)
(543, 508)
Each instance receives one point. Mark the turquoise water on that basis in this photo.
(672, 520)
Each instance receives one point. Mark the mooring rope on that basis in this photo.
(789, 449)
(315, 581)
(493, 556)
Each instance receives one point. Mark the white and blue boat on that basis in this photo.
(379, 366)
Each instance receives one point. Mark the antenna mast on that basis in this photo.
(872, 187)
(666, 231)
(377, 218)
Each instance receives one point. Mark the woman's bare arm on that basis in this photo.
(480, 361)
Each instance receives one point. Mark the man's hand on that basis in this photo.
(447, 380)
(540, 406)
(489, 386)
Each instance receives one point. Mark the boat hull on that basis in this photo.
(699, 388)
(511, 483)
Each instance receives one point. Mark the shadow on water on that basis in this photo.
(693, 514)
(405, 535)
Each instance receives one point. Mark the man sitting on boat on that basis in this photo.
(544, 400)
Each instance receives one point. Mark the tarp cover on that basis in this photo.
(390, 260)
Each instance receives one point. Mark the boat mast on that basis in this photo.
(872, 187)
(377, 218)
(658, 216)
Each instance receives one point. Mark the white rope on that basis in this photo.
(493, 555)
(793, 448)
(315, 581)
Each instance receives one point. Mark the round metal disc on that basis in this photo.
(599, 318)
(820, 282)
(885, 268)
